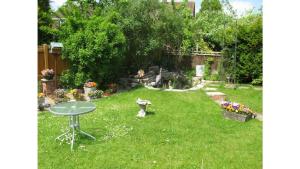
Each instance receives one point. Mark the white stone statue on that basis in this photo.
(143, 105)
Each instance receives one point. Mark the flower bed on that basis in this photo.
(95, 94)
(236, 111)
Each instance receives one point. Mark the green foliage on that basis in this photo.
(214, 77)
(150, 27)
(207, 68)
(45, 31)
(67, 79)
(106, 39)
(210, 26)
(94, 48)
(210, 5)
(258, 81)
(249, 50)
(190, 73)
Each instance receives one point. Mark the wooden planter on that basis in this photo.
(236, 116)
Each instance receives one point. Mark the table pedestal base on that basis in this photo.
(75, 127)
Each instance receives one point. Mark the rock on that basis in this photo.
(135, 80)
(134, 84)
(155, 69)
(196, 81)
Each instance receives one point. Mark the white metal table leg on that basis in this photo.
(73, 138)
(58, 137)
(84, 133)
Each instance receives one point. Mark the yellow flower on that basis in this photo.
(41, 95)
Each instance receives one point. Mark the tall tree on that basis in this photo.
(211, 5)
(45, 32)
(248, 63)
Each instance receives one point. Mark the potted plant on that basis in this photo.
(89, 86)
(76, 94)
(41, 101)
(60, 96)
(236, 111)
(48, 74)
(59, 93)
(95, 94)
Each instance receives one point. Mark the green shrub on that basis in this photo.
(214, 77)
(95, 51)
(67, 79)
(190, 73)
(247, 65)
(207, 68)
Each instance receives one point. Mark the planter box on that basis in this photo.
(236, 116)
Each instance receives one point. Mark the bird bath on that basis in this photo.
(143, 105)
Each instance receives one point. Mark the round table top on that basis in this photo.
(72, 108)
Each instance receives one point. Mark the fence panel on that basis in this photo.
(199, 59)
(51, 60)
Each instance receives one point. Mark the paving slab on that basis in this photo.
(230, 86)
(210, 89)
(215, 94)
(259, 117)
(243, 87)
(213, 85)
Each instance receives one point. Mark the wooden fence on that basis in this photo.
(50, 60)
(200, 58)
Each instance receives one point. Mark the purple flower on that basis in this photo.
(235, 106)
(225, 103)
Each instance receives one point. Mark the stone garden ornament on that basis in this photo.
(143, 105)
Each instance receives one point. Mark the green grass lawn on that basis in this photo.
(183, 130)
(250, 97)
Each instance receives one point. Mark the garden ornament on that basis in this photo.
(158, 78)
(143, 105)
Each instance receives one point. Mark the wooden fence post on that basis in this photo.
(46, 55)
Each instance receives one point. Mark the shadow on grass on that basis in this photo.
(131, 89)
(150, 113)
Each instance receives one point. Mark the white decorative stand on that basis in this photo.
(143, 105)
(87, 90)
(48, 86)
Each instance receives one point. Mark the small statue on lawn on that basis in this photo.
(143, 105)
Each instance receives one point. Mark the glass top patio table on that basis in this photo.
(73, 109)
